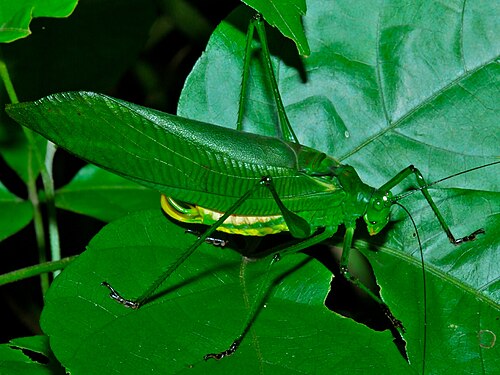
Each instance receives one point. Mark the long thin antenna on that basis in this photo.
(408, 193)
(424, 284)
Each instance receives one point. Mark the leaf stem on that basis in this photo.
(4, 75)
(48, 184)
(38, 269)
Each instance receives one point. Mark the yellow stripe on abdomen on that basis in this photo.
(234, 224)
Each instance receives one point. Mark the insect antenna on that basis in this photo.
(424, 282)
(408, 193)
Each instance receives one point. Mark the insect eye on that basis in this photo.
(378, 205)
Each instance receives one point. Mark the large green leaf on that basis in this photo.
(431, 102)
(200, 310)
(16, 15)
(388, 85)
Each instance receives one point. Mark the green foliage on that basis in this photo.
(286, 16)
(16, 357)
(199, 310)
(59, 67)
(112, 196)
(48, 61)
(16, 213)
(386, 85)
(16, 15)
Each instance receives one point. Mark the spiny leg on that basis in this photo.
(423, 185)
(297, 226)
(251, 316)
(300, 229)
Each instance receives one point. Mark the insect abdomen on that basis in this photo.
(234, 224)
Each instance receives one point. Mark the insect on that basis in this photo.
(274, 185)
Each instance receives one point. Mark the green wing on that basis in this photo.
(192, 161)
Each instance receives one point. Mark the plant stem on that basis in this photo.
(38, 269)
(48, 183)
(4, 75)
(31, 185)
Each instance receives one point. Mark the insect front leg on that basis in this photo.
(344, 270)
(423, 187)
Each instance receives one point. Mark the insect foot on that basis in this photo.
(221, 242)
(470, 237)
(396, 323)
(116, 296)
(225, 353)
(266, 180)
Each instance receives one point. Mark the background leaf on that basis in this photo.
(199, 310)
(16, 357)
(286, 16)
(103, 195)
(109, 35)
(15, 16)
(388, 85)
(16, 213)
(375, 109)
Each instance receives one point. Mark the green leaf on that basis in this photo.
(200, 310)
(388, 85)
(103, 195)
(285, 15)
(16, 213)
(24, 158)
(15, 357)
(16, 15)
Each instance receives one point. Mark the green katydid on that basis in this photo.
(306, 192)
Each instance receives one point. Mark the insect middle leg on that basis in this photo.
(344, 271)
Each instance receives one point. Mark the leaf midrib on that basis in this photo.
(396, 123)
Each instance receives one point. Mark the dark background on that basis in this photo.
(178, 34)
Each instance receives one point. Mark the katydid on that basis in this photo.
(234, 181)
